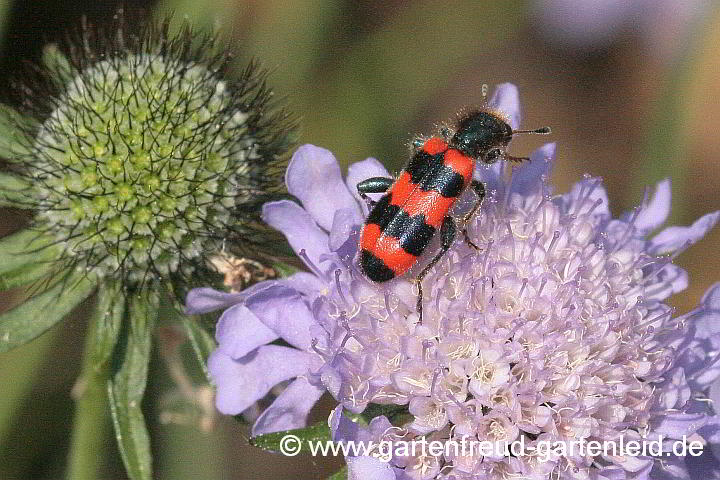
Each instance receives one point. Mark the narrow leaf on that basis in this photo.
(340, 474)
(201, 340)
(314, 433)
(25, 246)
(57, 64)
(126, 386)
(12, 134)
(106, 323)
(32, 318)
(25, 275)
(25, 257)
(13, 191)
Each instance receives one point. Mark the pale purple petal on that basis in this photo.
(506, 98)
(704, 371)
(707, 323)
(314, 177)
(491, 175)
(675, 425)
(705, 467)
(675, 391)
(711, 299)
(345, 222)
(656, 211)
(594, 196)
(342, 429)
(283, 310)
(706, 318)
(331, 380)
(671, 468)
(711, 430)
(298, 227)
(670, 279)
(242, 382)
(289, 410)
(369, 468)
(359, 171)
(304, 282)
(612, 473)
(239, 332)
(714, 395)
(204, 300)
(526, 177)
(675, 238)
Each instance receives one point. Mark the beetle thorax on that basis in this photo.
(480, 132)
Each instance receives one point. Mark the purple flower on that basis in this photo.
(590, 24)
(556, 330)
(246, 365)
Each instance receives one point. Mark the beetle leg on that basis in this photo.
(373, 185)
(479, 189)
(447, 235)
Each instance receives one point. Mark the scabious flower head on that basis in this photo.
(556, 330)
(584, 25)
(145, 159)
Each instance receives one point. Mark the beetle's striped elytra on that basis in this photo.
(416, 205)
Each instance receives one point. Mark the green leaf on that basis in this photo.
(25, 256)
(25, 275)
(106, 324)
(201, 340)
(340, 474)
(126, 386)
(32, 318)
(12, 133)
(25, 246)
(57, 64)
(13, 191)
(317, 432)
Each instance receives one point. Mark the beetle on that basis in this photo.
(416, 205)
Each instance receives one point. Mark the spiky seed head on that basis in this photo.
(147, 161)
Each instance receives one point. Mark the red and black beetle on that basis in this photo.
(403, 222)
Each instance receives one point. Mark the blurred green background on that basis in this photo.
(631, 96)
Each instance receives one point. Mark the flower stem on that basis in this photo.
(90, 427)
(92, 419)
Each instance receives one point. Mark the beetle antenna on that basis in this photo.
(538, 131)
(510, 158)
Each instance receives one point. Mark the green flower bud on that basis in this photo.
(147, 161)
